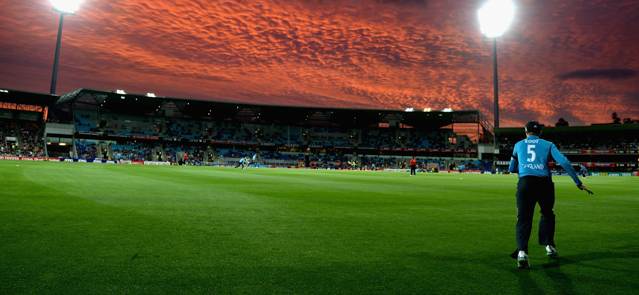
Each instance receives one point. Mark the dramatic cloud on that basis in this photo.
(389, 54)
(596, 74)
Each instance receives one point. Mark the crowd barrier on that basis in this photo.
(101, 161)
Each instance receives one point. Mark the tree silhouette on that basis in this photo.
(616, 119)
(562, 122)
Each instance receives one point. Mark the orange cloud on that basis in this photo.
(351, 53)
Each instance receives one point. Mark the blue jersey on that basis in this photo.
(531, 157)
(242, 160)
(254, 157)
(584, 168)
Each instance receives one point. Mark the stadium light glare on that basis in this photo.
(150, 94)
(120, 91)
(66, 6)
(427, 109)
(495, 17)
(448, 110)
(409, 110)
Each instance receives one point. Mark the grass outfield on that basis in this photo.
(80, 228)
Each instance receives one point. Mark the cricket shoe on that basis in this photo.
(551, 251)
(522, 260)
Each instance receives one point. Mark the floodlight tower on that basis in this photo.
(494, 18)
(64, 7)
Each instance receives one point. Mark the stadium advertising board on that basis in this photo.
(99, 161)
(465, 171)
(147, 137)
(156, 163)
(608, 152)
(396, 149)
(611, 173)
(22, 158)
(599, 164)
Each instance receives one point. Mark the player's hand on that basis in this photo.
(584, 188)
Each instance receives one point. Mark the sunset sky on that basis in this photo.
(576, 59)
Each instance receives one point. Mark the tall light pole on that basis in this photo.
(494, 18)
(64, 7)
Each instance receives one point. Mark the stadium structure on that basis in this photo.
(87, 124)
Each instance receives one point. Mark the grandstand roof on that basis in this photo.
(266, 114)
(140, 104)
(27, 98)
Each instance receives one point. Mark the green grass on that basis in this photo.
(80, 228)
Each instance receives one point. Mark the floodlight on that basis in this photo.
(495, 17)
(448, 110)
(66, 6)
(150, 94)
(427, 109)
(409, 110)
(120, 91)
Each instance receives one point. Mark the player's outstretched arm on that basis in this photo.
(584, 188)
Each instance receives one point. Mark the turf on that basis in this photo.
(81, 228)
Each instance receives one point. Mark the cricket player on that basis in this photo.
(241, 162)
(254, 161)
(584, 171)
(530, 159)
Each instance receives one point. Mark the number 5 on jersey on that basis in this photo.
(531, 152)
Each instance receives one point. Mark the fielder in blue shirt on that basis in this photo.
(530, 159)
(584, 171)
(241, 162)
(254, 161)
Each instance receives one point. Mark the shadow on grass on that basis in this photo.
(578, 259)
(561, 282)
(526, 284)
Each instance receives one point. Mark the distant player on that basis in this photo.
(584, 171)
(241, 162)
(413, 165)
(530, 159)
(373, 166)
(254, 161)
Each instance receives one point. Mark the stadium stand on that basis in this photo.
(31, 143)
(137, 127)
